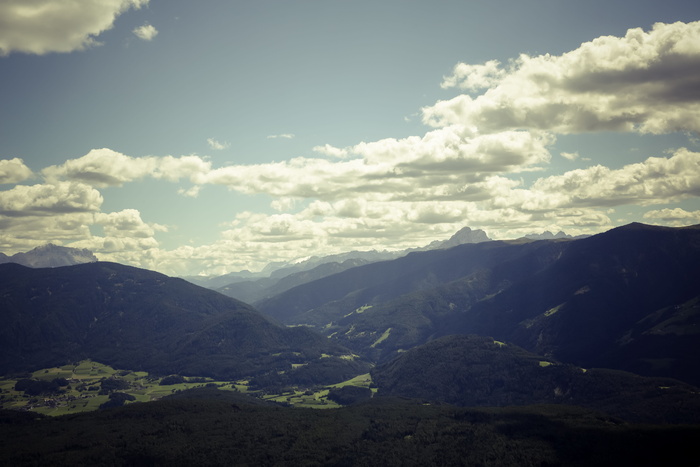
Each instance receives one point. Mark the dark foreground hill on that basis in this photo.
(478, 371)
(137, 319)
(211, 429)
(627, 299)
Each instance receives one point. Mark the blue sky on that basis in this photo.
(214, 136)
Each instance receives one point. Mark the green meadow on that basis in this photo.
(90, 384)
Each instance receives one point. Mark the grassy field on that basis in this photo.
(85, 380)
(318, 399)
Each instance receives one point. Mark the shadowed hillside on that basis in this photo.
(478, 371)
(137, 319)
(625, 299)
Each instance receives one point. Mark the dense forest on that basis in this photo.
(210, 427)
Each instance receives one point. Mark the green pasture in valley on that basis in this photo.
(88, 385)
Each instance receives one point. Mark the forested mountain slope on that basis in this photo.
(626, 299)
(478, 371)
(137, 319)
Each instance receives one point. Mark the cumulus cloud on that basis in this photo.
(101, 168)
(644, 82)
(29, 231)
(14, 171)
(474, 77)
(329, 150)
(126, 223)
(105, 167)
(46, 199)
(32, 215)
(656, 180)
(443, 163)
(44, 26)
(673, 216)
(146, 32)
(217, 146)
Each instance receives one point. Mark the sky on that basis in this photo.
(212, 136)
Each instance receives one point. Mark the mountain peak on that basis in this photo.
(462, 236)
(51, 256)
(465, 235)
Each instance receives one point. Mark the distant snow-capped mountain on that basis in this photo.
(50, 256)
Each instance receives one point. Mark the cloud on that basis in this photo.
(443, 163)
(643, 82)
(474, 77)
(27, 232)
(145, 32)
(329, 150)
(126, 223)
(217, 146)
(101, 168)
(32, 215)
(14, 171)
(283, 136)
(674, 216)
(105, 167)
(47, 199)
(572, 156)
(657, 180)
(44, 26)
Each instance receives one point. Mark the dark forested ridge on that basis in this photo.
(214, 428)
(137, 319)
(478, 371)
(626, 299)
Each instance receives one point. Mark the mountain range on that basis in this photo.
(50, 256)
(276, 278)
(624, 299)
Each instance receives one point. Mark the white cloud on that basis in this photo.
(332, 151)
(29, 231)
(217, 146)
(443, 163)
(146, 32)
(125, 223)
(674, 216)
(283, 136)
(572, 156)
(14, 171)
(44, 26)
(101, 168)
(657, 180)
(33, 215)
(105, 167)
(474, 77)
(47, 199)
(644, 82)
